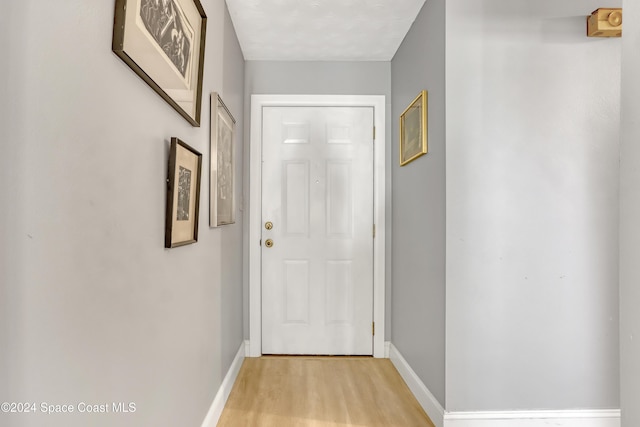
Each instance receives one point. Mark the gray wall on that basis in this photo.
(418, 194)
(9, 193)
(532, 207)
(94, 309)
(318, 78)
(231, 89)
(629, 214)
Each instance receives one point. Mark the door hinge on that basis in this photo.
(374, 133)
(373, 328)
(374, 231)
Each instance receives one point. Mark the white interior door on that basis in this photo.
(317, 251)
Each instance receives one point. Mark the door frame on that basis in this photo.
(258, 102)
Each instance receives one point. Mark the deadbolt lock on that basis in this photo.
(268, 243)
(268, 225)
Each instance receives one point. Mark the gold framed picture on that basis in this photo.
(183, 195)
(413, 130)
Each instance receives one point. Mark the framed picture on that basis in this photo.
(222, 208)
(183, 195)
(413, 130)
(163, 42)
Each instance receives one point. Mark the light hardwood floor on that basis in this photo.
(285, 391)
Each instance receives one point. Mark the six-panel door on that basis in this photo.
(317, 192)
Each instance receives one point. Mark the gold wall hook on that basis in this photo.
(605, 22)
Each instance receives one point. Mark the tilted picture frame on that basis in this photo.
(163, 43)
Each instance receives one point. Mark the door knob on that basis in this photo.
(268, 243)
(268, 225)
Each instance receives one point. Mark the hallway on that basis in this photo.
(508, 291)
(282, 391)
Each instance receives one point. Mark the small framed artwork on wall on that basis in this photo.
(183, 195)
(163, 43)
(413, 130)
(221, 181)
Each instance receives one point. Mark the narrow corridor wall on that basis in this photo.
(532, 207)
(629, 214)
(418, 205)
(97, 311)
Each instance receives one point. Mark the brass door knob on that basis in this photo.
(268, 225)
(268, 243)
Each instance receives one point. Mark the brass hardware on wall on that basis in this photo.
(605, 22)
(268, 225)
(269, 243)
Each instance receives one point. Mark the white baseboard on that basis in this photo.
(211, 420)
(429, 403)
(442, 418)
(387, 349)
(570, 418)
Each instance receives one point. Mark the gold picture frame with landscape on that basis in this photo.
(414, 129)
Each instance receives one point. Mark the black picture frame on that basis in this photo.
(183, 195)
(163, 43)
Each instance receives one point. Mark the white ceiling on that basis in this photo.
(322, 30)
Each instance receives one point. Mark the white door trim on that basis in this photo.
(258, 102)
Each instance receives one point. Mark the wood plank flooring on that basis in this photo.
(294, 391)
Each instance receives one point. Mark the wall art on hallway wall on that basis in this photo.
(163, 42)
(222, 170)
(413, 130)
(183, 195)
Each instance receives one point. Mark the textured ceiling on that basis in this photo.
(322, 30)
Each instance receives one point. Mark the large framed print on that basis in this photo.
(221, 181)
(163, 42)
(414, 130)
(183, 195)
